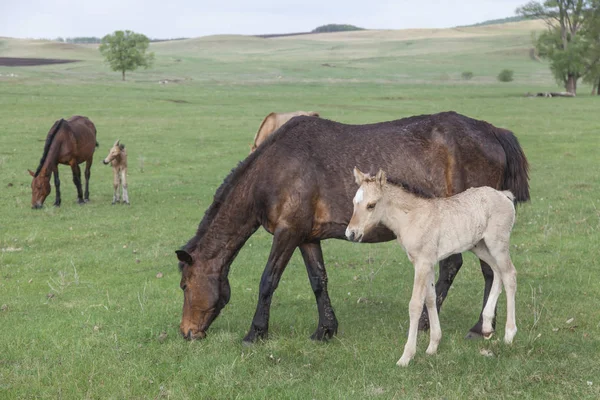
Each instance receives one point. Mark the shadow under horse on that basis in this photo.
(298, 186)
(69, 142)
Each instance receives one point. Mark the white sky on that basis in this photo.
(188, 18)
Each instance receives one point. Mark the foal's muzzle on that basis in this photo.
(353, 235)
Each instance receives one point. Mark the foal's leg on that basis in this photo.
(77, 181)
(435, 333)
(414, 310)
(488, 275)
(56, 186)
(115, 185)
(124, 185)
(508, 274)
(88, 173)
(285, 242)
(489, 310)
(449, 267)
(313, 259)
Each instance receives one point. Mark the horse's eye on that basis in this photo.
(371, 206)
(183, 286)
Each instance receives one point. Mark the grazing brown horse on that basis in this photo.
(117, 157)
(69, 142)
(299, 187)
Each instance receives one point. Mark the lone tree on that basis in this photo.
(563, 43)
(126, 51)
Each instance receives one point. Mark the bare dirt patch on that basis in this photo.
(30, 62)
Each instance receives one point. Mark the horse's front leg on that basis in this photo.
(284, 244)
(57, 187)
(77, 181)
(88, 173)
(449, 267)
(315, 266)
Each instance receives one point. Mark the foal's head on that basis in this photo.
(114, 152)
(366, 213)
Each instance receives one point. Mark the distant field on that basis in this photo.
(84, 312)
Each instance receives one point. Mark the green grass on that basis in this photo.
(85, 316)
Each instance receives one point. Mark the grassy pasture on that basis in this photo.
(84, 314)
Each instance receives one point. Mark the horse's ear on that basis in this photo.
(381, 178)
(184, 257)
(116, 143)
(122, 146)
(31, 173)
(359, 177)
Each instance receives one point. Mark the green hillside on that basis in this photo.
(403, 56)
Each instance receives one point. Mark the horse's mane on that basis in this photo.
(220, 196)
(49, 140)
(417, 191)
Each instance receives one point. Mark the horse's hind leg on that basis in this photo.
(57, 187)
(313, 259)
(285, 242)
(88, 173)
(77, 181)
(449, 267)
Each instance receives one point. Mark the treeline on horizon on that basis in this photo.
(97, 40)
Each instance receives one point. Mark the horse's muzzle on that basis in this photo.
(193, 336)
(105, 162)
(37, 206)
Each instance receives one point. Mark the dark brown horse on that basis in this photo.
(298, 185)
(69, 142)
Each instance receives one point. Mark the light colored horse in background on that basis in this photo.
(431, 229)
(117, 157)
(272, 122)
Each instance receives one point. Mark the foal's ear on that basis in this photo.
(359, 177)
(184, 257)
(116, 143)
(31, 173)
(381, 178)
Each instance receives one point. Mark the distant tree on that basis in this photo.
(126, 51)
(506, 75)
(591, 31)
(467, 75)
(336, 28)
(562, 43)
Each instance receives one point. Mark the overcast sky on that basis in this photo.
(193, 18)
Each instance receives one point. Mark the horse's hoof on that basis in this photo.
(323, 333)
(473, 335)
(254, 336)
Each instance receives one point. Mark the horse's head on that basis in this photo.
(114, 152)
(366, 214)
(205, 292)
(40, 189)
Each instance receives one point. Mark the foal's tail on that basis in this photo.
(516, 173)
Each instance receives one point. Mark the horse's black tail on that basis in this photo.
(516, 173)
(97, 144)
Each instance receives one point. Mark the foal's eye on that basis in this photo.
(371, 206)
